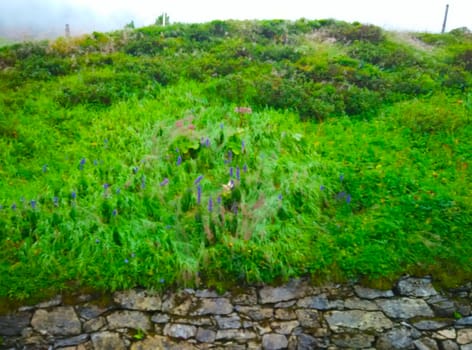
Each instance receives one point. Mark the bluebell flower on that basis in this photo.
(199, 194)
(73, 195)
(218, 200)
(245, 168)
(162, 280)
(164, 182)
(207, 142)
(322, 188)
(341, 195)
(97, 241)
(231, 183)
(82, 163)
(126, 261)
(348, 199)
(210, 204)
(135, 169)
(231, 172)
(280, 197)
(13, 206)
(115, 212)
(33, 204)
(238, 173)
(45, 168)
(55, 200)
(198, 179)
(143, 182)
(179, 160)
(105, 186)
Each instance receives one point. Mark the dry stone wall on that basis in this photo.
(413, 315)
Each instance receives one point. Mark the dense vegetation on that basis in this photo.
(125, 160)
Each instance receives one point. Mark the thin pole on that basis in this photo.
(445, 20)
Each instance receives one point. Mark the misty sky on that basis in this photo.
(22, 18)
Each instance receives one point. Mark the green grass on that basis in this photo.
(116, 165)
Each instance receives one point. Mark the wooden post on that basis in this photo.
(445, 20)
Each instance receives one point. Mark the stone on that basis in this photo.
(274, 341)
(430, 325)
(359, 304)
(368, 293)
(464, 336)
(464, 321)
(255, 313)
(397, 338)
(13, 324)
(442, 306)
(263, 328)
(405, 308)
(178, 303)
(160, 318)
(141, 300)
(181, 331)
(285, 314)
(61, 320)
(215, 306)
(206, 293)
(232, 321)
(235, 334)
(416, 287)
(79, 339)
(426, 344)
(89, 311)
(308, 318)
(284, 327)
(195, 321)
(107, 341)
(320, 302)
(285, 304)
(249, 297)
(466, 347)
(449, 345)
(292, 290)
(129, 319)
(449, 333)
(353, 341)
(56, 301)
(339, 321)
(94, 324)
(205, 335)
(306, 342)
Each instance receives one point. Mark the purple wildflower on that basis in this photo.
(340, 195)
(207, 142)
(73, 195)
(164, 182)
(33, 204)
(231, 172)
(115, 212)
(243, 146)
(82, 163)
(105, 186)
(231, 184)
(179, 160)
(13, 206)
(210, 204)
(245, 168)
(198, 179)
(230, 155)
(218, 200)
(199, 194)
(348, 199)
(238, 173)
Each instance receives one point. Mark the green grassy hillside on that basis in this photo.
(126, 161)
